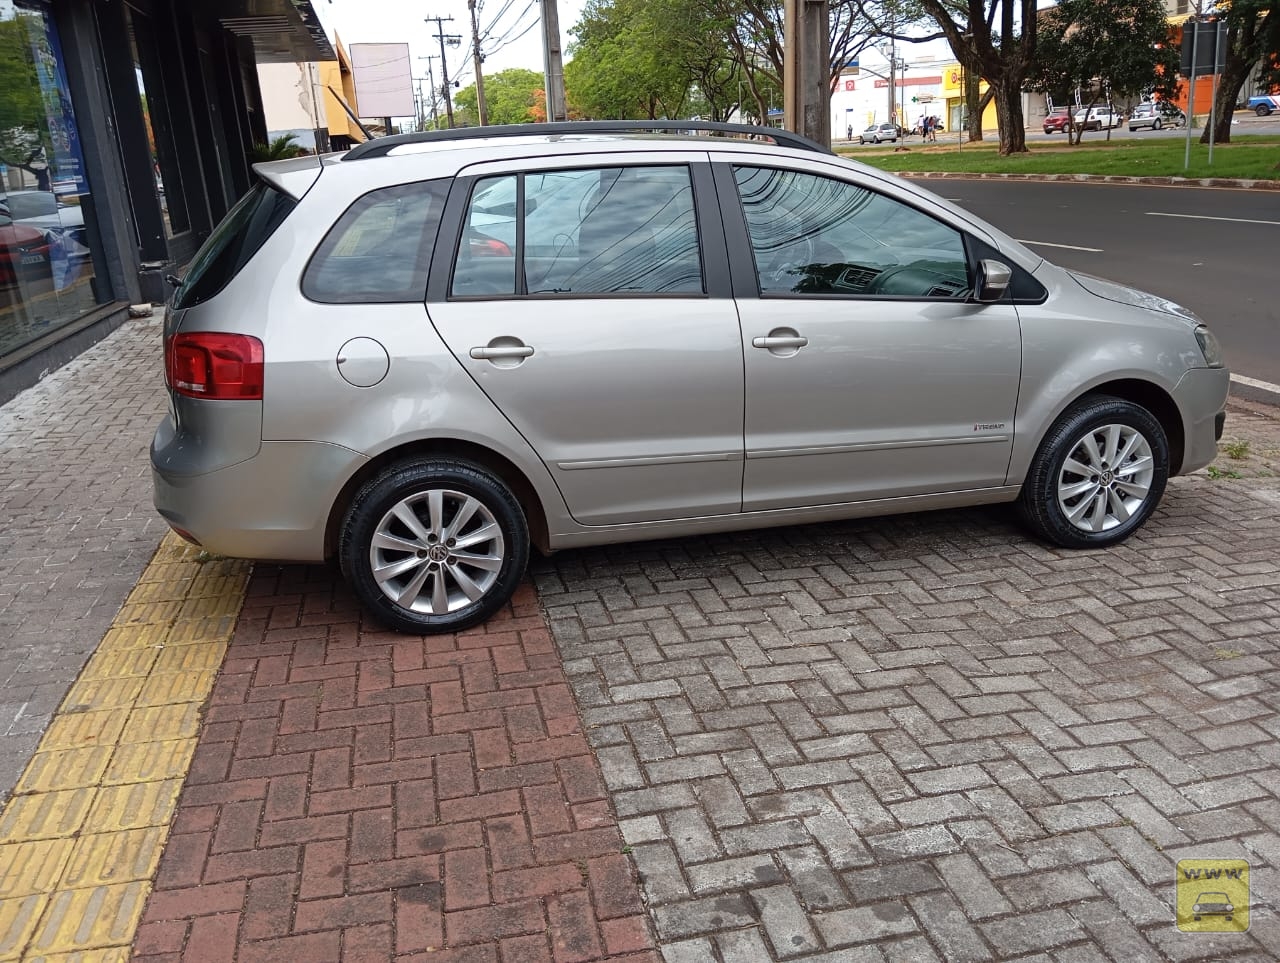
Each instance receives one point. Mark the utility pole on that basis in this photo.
(806, 74)
(475, 54)
(453, 41)
(431, 83)
(553, 63)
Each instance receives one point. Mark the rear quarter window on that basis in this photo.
(233, 243)
(380, 248)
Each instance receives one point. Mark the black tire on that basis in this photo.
(1039, 503)
(461, 485)
(1262, 110)
(1156, 124)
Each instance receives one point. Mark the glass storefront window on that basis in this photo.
(47, 236)
(145, 51)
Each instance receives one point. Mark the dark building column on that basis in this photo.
(108, 209)
(131, 129)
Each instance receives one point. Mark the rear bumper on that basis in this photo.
(274, 506)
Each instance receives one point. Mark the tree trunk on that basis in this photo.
(1008, 93)
(1234, 74)
(973, 104)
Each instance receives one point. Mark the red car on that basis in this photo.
(1056, 122)
(23, 251)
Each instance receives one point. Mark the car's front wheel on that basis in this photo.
(1262, 110)
(1099, 474)
(434, 545)
(1156, 124)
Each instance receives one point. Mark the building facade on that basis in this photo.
(125, 127)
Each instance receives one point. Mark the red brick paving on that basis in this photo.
(360, 795)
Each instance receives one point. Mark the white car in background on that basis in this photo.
(1098, 118)
(61, 223)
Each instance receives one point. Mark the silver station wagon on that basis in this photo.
(424, 356)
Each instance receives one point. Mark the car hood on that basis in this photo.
(1122, 294)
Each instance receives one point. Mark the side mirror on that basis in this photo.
(993, 281)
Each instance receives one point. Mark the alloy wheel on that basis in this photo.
(1106, 478)
(437, 551)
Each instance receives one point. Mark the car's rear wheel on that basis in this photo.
(1099, 474)
(1156, 124)
(434, 545)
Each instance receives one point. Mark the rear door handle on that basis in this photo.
(505, 351)
(796, 341)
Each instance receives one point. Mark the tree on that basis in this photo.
(1001, 54)
(1253, 36)
(621, 66)
(280, 148)
(672, 58)
(1107, 48)
(25, 139)
(512, 96)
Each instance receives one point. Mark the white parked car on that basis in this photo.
(1098, 118)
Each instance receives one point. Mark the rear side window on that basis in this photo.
(597, 231)
(233, 242)
(380, 249)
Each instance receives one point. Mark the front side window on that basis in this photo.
(617, 230)
(813, 235)
(379, 250)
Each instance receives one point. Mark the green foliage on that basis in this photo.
(280, 148)
(512, 96)
(24, 114)
(1096, 46)
(624, 61)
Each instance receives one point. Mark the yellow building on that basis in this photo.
(336, 76)
(953, 93)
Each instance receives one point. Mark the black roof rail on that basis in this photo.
(382, 146)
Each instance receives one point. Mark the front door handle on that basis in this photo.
(501, 351)
(795, 341)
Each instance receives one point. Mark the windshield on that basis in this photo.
(31, 204)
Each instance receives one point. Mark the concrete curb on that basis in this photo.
(1232, 183)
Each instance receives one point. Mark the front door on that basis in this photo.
(869, 373)
(577, 300)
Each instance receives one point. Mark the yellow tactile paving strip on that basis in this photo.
(81, 836)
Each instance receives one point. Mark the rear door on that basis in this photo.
(588, 297)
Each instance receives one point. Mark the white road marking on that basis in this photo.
(1069, 247)
(1255, 383)
(1207, 217)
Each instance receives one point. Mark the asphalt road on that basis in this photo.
(1215, 251)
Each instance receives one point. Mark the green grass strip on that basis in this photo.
(1250, 157)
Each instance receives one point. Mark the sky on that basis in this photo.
(402, 21)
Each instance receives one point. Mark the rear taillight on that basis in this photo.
(207, 364)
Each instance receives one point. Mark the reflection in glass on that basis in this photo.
(816, 235)
(47, 275)
(155, 113)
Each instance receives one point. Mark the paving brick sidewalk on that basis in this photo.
(361, 795)
(932, 737)
(78, 526)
